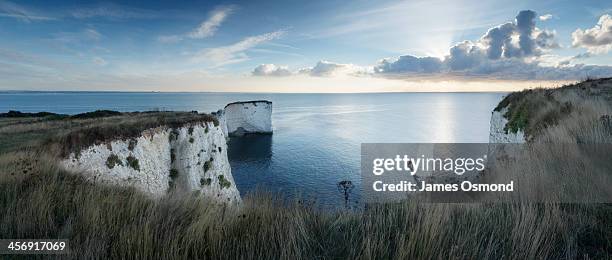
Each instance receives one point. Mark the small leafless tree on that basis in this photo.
(345, 187)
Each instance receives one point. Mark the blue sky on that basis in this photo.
(302, 46)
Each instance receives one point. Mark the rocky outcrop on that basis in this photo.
(497, 132)
(250, 117)
(191, 158)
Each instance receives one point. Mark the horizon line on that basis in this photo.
(238, 92)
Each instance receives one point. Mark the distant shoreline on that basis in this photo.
(214, 92)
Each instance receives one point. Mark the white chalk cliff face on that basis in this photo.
(199, 154)
(247, 117)
(192, 158)
(497, 134)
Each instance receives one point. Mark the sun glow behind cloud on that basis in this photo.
(428, 31)
(440, 31)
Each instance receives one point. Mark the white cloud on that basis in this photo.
(597, 39)
(12, 10)
(209, 27)
(409, 64)
(92, 34)
(114, 11)
(236, 52)
(545, 17)
(321, 69)
(99, 61)
(271, 70)
(206, 29)
(330, 69)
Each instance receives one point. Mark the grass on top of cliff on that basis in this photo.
(40, 200)
(534, 110)
(62, 134)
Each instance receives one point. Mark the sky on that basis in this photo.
(302, 46)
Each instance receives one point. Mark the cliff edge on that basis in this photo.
(162, 152)
(498, 132)
(569, 114)
(185, 156)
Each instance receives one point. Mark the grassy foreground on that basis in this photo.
(120, 223)
(40, 200)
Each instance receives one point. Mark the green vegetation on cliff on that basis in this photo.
(535, 110)
(63, 135)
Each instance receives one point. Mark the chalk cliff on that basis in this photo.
(191, 158)
(241, 118)
(497, 132)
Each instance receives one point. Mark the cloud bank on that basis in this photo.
(517, 39)
(321, 69)
(516, 50)
(512, 50)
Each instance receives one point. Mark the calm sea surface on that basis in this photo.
(317, 137)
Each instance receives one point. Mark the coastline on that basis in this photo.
(266, 219)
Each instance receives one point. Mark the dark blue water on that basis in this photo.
(316, 138)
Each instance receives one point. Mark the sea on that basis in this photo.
(317, 137)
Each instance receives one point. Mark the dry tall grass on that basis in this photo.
(570, 141)
(69, 134)
(40, 200)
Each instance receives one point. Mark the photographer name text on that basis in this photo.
(408, 186)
